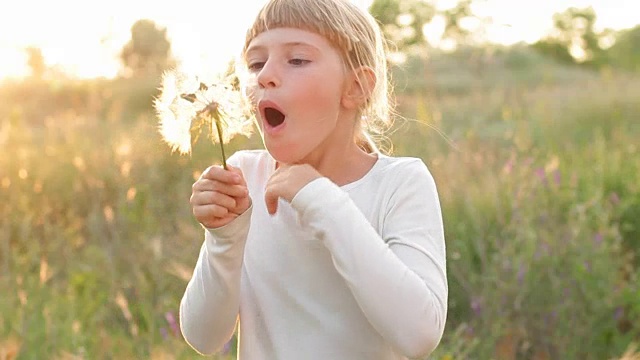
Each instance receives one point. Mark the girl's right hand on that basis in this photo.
(219, 196)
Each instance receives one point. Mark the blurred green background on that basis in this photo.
(534, 148)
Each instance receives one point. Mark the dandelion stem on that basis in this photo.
(216, 119)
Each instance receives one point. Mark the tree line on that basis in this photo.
(573, 39)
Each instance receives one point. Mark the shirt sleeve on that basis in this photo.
(398, 277)
(211, 302)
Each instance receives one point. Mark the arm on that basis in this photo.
(399, 278)
(210, 304)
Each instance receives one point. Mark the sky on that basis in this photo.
(83, 37)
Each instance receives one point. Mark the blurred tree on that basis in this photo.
(403, 21)
(454, 17)
(148, 52)
(35, 61)
(554, 50)
(625, 53)
(574, 38)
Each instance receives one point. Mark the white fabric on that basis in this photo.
(351, 272)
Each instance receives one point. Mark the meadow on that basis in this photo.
(537, 166)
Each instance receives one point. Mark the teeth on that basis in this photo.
(273, 116)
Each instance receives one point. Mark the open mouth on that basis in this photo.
(274, 117)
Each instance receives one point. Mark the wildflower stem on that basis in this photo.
(216, 119)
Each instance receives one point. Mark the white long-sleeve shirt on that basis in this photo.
(350, 272)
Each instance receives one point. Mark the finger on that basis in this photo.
(209, 211)
(238, 172)
(218, 173)
(213, 185)
(242, 205)
(271, 201)
(276, 177)
(213, 198)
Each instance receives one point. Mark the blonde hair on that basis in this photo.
(357, 36)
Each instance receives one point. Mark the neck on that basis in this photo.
(342, 164)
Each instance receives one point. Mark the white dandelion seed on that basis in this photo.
(186, 103)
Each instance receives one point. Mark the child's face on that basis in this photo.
(296, 85)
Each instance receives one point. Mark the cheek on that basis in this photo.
(322, 85)
(325, 96)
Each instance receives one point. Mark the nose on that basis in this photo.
(268, 77)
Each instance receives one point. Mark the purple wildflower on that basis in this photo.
(226, 349)
(619, 313)
(597, 238)
(541, 174)
(476, 305)
(508, 166)
(614, 198)
(469, 330)
(521, 273)
(556, 177)
(171, 320)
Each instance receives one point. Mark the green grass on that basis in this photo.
(539, 184)
(541, 200)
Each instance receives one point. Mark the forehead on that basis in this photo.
(288, 37)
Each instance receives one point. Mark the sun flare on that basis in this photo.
(88, 46)
(13, 64)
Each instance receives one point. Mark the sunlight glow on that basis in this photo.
(13, 62)
(206, 34)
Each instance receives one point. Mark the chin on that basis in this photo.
(284, 157)
(284, 154)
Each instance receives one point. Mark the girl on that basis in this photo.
(321, 246)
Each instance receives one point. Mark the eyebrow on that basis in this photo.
(289, 44)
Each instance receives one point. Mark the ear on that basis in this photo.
(358, 88)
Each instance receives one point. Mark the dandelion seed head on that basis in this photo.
(233, 110)
(175, 124)
(186, 102)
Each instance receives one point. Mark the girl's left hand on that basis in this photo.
(286, 182)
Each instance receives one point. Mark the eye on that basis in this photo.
(256, 66)
(298, 62)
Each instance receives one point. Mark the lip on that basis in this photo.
(267, 128)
